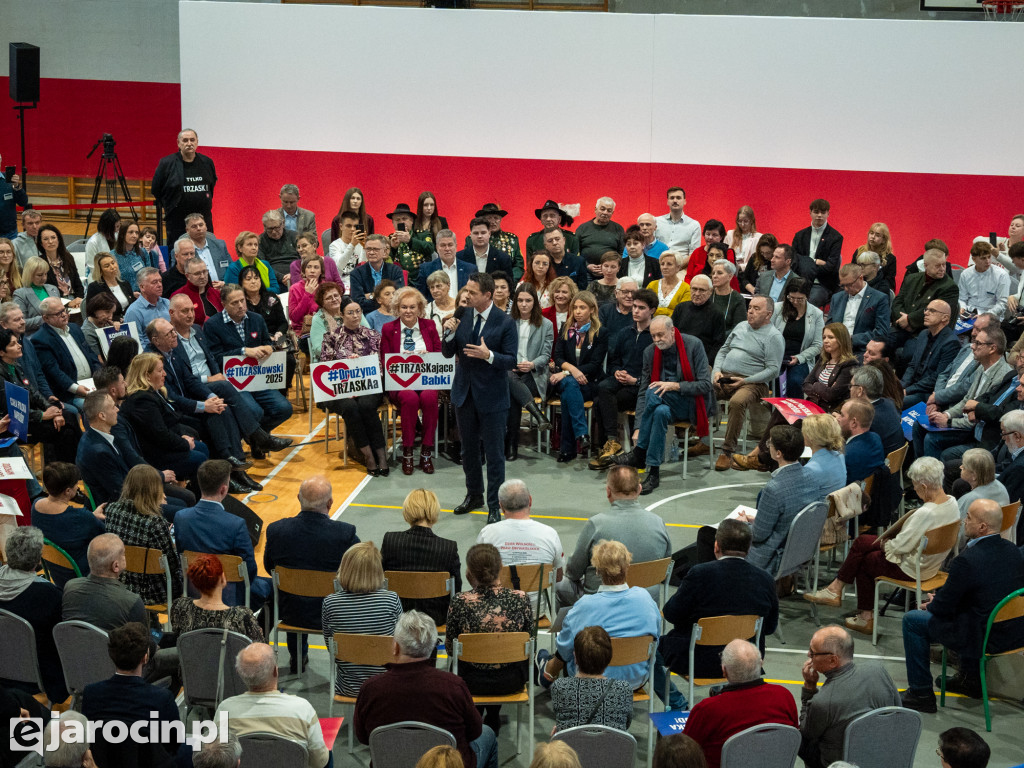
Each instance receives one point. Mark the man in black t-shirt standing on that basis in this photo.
(183, 183)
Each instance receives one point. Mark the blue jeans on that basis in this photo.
(574, 415)
(485, 747)
(662, 677)
(795, 376)
(276, 408)
(659, 411)
(917, 648)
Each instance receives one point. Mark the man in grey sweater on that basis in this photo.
(849, 691)
(750, 358)
(643, 533)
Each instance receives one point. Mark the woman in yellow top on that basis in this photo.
(671, 289)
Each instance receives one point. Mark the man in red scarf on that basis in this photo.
(675, 386)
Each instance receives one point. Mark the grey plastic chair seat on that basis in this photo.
(199, 654)
(771, 745)
(600, 746)
(886, 736)
(82, 648)
(267, 750)
(401, 745)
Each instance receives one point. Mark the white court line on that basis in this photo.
(657, 504)
(351, 497)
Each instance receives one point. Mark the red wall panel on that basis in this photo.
(73, 114)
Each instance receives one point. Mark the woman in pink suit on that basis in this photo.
(411, 332)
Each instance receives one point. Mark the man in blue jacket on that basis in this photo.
(933, 350)
(863, 310)
(64, 356)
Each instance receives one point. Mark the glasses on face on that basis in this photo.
(1005, 434)
(976, 343)
(699, 290)
(929, 310)
(625, 291)
(274, 227)
(57, 314)
(812, 653)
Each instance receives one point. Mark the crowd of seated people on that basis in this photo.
(761, 311)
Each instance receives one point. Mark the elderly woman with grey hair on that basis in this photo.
(37, 601)
(70, 751)
(895, 552)
(979, 471)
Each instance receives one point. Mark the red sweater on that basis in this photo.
(737, 707)
(419, 691)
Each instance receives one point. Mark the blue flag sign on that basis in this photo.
(17, 409)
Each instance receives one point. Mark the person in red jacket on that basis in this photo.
(746, 701)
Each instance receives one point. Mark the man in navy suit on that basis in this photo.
(446, 260)
(984, 573)
(484, 344)
(64, 356)
(481, 256)
(932, 351)
(128, 698)
(1011, 475)
(863, 310)
(365, 277)
(864, 452)
(236, 331)
(208, 527)
(312, 541)
(821, 244)
(867, 384)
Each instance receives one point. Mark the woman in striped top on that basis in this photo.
(362, 607)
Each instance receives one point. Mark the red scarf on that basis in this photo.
(687, 371)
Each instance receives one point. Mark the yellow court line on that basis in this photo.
(532, 515)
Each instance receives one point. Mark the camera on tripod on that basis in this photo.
(108, 143)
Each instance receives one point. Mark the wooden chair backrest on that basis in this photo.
(494, 647)
(721, 630)
(648, 574)
(372, 650)
(533, 577)
(1009, 515)
(416, 585)
(942, 539)
(304, 583)
(230, 563)
(144, 560)
(630, 650)
(895, 459)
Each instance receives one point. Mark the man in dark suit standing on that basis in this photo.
(484, 344)
(863, 310)
(822, 245)
(727, 586)
(481, 255)
(311, 541)
(985, 572)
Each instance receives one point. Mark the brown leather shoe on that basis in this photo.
(744, 463)
(408, 464)
(700, 449)
(723, 462)
(426, 463)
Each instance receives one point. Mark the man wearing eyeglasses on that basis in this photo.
(619, 314)
(932, 350)
(64, 356)
(850, 690)
(698, 317)
(278, 246)
(1012, 473)
(988, 347)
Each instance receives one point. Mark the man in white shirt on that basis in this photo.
(297, 220)
(983, 288)
(520, 540)
(458, 271)
(347, 251)
(210, 249)
(677, 231)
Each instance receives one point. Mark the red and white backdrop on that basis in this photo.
(907, 122)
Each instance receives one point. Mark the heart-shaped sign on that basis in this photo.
(247, 361)
(395, 361)
(320, 372)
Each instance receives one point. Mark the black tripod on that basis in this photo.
(111, 173)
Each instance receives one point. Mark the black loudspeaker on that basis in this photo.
(24, 73)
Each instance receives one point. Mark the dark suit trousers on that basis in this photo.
(486, 429)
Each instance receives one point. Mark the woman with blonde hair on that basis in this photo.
(441, 757)
(106, 278)
(34, 289)
(579, 361)
(420, 549)
(879, 241)
(562, 290)
(670, 288)
(136, 518)
(166, 441)
(827, 465)
(411, 332)
(554, 754)
(745, 238)
(362, 606)
(10, 276)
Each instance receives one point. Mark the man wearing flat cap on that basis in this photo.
(500, 239)
(552, 217)
(407, 250)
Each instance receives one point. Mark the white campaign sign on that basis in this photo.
(340, 379)
(417, 370)
(248, 374)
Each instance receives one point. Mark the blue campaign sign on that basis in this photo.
(17, 409)
(911, 416)
(964, 324)
(669, 722)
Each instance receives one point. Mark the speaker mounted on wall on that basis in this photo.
(24, 72)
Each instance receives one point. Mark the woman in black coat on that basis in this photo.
(106, 276)
(48, 422)
(579, 359)
(268, 306)
(166, 441)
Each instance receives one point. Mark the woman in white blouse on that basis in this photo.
(743, 239)
(671, 288)
(443, 305)
(529, 379)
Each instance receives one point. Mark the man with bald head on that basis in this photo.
(917, 291)
(313, 541)
(64, 356)
(985, 572)
(100, 598)
(265, 709)
(747, 700)
(648, 225)
(930, 353)
(850, 690)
